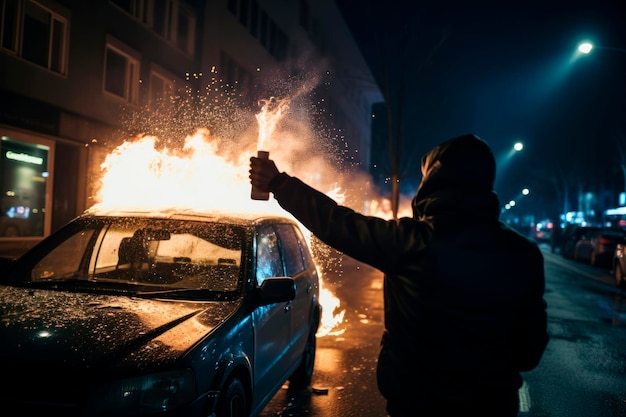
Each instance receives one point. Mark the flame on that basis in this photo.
(144, 174)
(271, 112)
(382, 208)
(331, 319)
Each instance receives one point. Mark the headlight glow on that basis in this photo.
(142, 395)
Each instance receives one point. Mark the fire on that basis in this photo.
(203, 175)
(330, 319)
(270, 114)
(382, 208)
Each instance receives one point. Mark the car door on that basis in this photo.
(271, 323)
(297, 260)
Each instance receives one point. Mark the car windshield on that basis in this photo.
(161, 254)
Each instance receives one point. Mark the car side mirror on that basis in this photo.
(276, 290)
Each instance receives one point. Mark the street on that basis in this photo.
(582, 373)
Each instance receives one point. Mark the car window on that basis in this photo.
(172, 254)
(64, 261)
(294, 262)
(268, 258)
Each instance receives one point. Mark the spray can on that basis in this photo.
(258, 194)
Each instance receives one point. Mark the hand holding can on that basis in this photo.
(257, 194)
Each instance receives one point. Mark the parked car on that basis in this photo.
(572, 234)
(619, 264)
(542, 230)
(182, 314)
(598, 246)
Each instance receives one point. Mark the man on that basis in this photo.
(464, 306)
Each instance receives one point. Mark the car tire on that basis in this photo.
(301, 377)
(233, 402)
(619, 276)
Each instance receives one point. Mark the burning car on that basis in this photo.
(168, 313)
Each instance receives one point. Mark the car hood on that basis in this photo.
(89, 330)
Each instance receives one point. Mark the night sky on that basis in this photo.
(508, 73)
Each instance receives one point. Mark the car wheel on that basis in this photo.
(233, 401)
(301, 377)
(619, 276)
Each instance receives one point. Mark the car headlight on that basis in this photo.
(148, 394)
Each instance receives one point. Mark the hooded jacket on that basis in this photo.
(463, 292)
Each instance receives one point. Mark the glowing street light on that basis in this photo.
(586, 47)
(517, 147)
(513, 202)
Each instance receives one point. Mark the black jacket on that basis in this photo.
(464, 307)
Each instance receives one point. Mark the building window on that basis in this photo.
(183, 28)
(35, 33)
(262, 27)
(135, 8)
(175, 21)
(159, 17)
(24, 183)
(172, 19)
(161, 88)
(121, 72)
(235, 74)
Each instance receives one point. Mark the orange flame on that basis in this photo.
(270, 114)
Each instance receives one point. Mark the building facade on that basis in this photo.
(75, 75)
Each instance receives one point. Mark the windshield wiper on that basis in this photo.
(181, 293)
(82, 284)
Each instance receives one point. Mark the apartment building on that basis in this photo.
(78, 78)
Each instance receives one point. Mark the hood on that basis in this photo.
(78, 330)
(458, 174)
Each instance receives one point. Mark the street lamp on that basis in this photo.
(516, 148)
(586, 48)
(513, 202)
